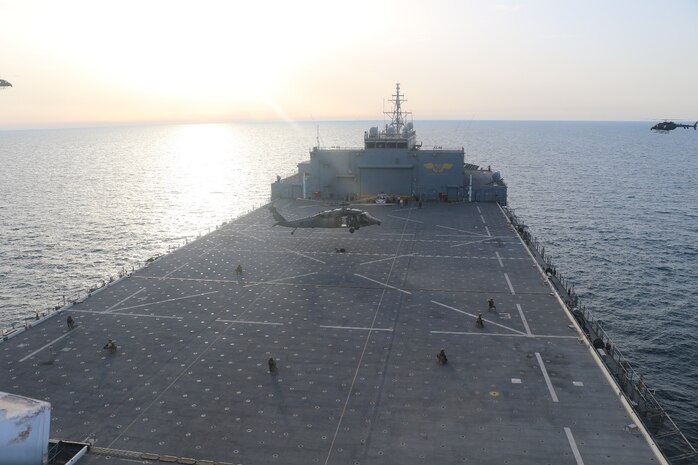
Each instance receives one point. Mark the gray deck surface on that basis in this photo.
(355, 336)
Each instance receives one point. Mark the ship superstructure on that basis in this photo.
(393, 163)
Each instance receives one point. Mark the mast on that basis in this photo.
(397, 117)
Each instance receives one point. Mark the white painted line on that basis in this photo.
(547, 378)
(306, 256)
(488, 231)
(523, 318)
(382, 284)
(47, 345)
(460, 230)
(176, 269)
(389, 258)
(511, 288)
(578, 383)
(356, 327)
(475, 316)
(573, 445)
(480, 333)
(472, 242)
(281, 279)
(501, 264)
(515, 381)
(250, 322)
(483, 219)
(168, 300)
(124, 300)
(478, 209)
(406, 219)
(147, 316)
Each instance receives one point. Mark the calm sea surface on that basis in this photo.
(614, 204)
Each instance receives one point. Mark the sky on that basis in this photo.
(86, 63)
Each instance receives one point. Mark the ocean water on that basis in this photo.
(613, 203)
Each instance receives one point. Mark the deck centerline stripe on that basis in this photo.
(501, 263)
(547, 378)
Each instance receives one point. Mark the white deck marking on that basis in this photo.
(511, 288)
(478, 209)
(523, 318)
(47, 345)
(460, 230)
(124, 300)
(472, 242)
(488, 231)
(480, 333)
(280, 279)
(501, 263)
(393, 257)
(168, 300)
(130, 314)
(573, 445)
(382, 284)
(356, 327)
(305, 256)
(547, 378)
(176, 269)
(250, 322)
(406, 219)
(483, 219)
(475, 316)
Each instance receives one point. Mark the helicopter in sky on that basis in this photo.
(667, 126)
(343, 217)
(4, 83)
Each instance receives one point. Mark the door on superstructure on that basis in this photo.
(392, 181)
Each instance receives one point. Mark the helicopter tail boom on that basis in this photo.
(280, 220)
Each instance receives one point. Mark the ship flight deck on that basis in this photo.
(354, 336)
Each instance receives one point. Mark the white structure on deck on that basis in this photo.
(24, 430)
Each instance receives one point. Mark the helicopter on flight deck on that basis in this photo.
(343, 217)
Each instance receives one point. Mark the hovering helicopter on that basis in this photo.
(667, 126)
(343, 217)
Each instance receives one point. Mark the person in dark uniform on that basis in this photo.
(110, 346)
(479, 322)
(71, 322)
(441, 357)
(491, 306)
(272, 365)
(238, 270)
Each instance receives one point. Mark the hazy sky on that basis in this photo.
(94, 62)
